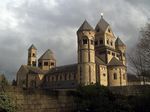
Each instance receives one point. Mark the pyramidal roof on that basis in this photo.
(47, 55)
(86, 27)
(102, 25)
(99, 61)
(115, 62)
(119, 42)
(32, 47)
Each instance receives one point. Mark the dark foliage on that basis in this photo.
(96, 98)
(6, 104)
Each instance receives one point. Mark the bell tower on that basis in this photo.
(86, 54)
(32, 55)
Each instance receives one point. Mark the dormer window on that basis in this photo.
(108, 30)
(84, 41)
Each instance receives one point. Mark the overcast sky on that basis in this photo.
(52, 24)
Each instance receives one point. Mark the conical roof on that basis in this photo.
(85, 27)
(47, 55)
(32, 47)
(115, 62)
(119, 42)
(102, 25)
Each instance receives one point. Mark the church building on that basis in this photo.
(101, 59)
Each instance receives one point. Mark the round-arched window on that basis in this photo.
(124, 76)
(115, 76)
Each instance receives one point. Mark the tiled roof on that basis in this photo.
(33, 70)
(99, 61)
(115, 62)
(85, 27)
(65, 68)
(119, 42)
(32, 47)
(47, 55)
(102, 25)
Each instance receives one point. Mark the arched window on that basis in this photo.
(100, 41)
(60, 77)
(47, 79)
(45, 63)
(65, 76)
(85, 41)
(33, 55)
(96, 42)
(74, 76)
(124, 54)
(111, 43)
(69, 76)
(115, 76)
(52, 78)
(56, 77)
(107, 41)
(104, 75)
(52, 63)
(92, 42)
(124, 76)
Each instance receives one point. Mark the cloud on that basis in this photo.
(52, 24)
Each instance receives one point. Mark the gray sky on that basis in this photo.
(52, 24)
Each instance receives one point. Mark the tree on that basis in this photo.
(3, 81)
(6, 104)
(139, 59)
(14, 83)
(96, 98)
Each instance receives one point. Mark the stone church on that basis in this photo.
(101, 59)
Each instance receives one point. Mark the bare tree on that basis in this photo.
(139, 59)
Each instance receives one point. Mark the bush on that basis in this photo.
(6, 104)
(96, 98)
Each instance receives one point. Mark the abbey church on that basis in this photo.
(101, 59)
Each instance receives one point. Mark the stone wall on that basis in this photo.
(40, 100)
(35, 100)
